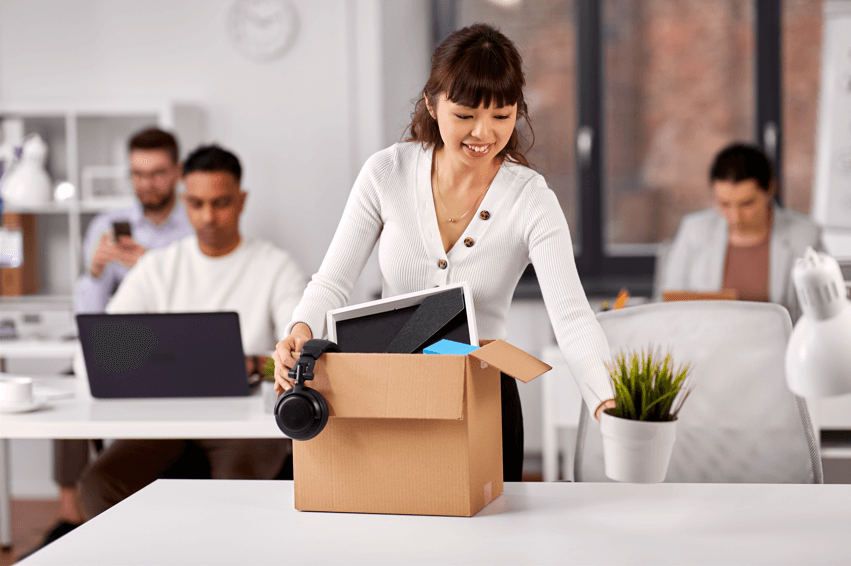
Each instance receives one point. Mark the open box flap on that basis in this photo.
(393, 386)
(511, 360)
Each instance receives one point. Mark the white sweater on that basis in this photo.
(518, 222)
(257, 280)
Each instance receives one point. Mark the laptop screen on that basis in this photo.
(163, 354)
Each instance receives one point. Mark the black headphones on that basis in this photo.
(301, 413)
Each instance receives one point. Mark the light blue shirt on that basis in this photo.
(93, 293)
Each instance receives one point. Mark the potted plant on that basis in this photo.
(267, 386)
(639, 432)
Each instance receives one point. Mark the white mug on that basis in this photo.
(16, 391)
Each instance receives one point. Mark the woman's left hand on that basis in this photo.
(607, 404)
(286, 355)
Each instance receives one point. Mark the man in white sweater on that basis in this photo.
(213, 270)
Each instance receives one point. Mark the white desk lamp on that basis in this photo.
(818, 357)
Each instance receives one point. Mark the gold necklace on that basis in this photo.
(443, 206)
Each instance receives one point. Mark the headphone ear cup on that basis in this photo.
(301, 413)
(321, 412)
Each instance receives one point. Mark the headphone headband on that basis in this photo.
(311, 351)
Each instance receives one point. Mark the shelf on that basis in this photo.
(62, 107)
(40, 302)
(46, 208)
(42, 349)
(86, 206)
(102, 205)
(87, 141)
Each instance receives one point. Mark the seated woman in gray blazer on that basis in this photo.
(746, 242)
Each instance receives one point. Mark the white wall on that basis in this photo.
(407, 29)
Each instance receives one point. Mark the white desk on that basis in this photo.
(212, 417)
(253, 522)
(220, 417)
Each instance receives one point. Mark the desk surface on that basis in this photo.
(212, 417)
(253, 522)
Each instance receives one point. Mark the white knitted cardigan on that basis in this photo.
(518, 222)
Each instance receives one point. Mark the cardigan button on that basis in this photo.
(469, 242)
(484, 215)
(442, 264)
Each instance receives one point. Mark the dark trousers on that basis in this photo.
(129, 465)
(70, 458)
(512, 430)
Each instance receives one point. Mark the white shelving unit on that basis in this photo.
(85, 136)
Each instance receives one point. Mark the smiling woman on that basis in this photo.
(456, 203)
(472, 140)
(468, 114)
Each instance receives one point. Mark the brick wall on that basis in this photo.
(679, 86)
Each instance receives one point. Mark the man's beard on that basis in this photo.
(161, 204)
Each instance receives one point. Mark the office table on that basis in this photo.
(80, 417)
(215, 522)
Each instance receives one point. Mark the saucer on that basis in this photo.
(36, 404)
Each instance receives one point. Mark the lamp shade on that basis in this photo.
(28, 183)
(818, 357)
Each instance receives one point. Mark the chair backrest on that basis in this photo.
(741, 424)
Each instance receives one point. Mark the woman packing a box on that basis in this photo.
(458, 202)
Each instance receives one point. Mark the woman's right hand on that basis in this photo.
(287, 353)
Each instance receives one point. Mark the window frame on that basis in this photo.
(604, 274)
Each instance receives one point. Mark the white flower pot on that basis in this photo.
(637, 451)
(269, 396)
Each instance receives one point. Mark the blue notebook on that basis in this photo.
(449, 347)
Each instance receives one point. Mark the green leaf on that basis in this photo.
(646, 385)
(269, 368)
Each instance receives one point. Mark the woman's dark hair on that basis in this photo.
(155, 138)
(474, 65)
(212, 158)
(740, 162)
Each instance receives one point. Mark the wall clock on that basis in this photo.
(262, 30)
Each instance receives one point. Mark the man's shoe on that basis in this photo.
(58, 531)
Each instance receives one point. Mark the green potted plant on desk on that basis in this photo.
(267, 386)
(639, 433)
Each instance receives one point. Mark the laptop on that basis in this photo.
(163, 355)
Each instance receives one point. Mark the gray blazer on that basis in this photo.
(694, 260)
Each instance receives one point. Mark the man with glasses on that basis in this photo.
(156, 220)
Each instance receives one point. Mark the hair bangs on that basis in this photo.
(484, 77)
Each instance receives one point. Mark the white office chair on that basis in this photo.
(741, 424)
(560, 404)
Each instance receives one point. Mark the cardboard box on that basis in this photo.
(23, 280)
(409, 433)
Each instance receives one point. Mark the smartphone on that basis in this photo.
(122, 228)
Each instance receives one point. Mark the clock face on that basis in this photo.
(262, 29)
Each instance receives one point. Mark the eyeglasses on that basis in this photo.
(155, 175)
